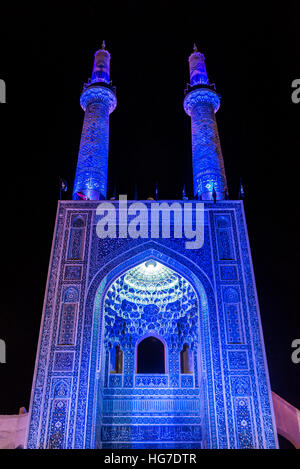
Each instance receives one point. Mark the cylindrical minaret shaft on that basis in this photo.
(201, 102)
(98, 100)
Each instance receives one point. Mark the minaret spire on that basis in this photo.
(201, 102)
(198, 74)
(98, 100)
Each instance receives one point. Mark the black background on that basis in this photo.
(252, 55)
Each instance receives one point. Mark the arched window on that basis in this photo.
(116, 359)
(186, 360)
(151, 356)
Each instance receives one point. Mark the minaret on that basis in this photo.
(201, 102)
(98, 100)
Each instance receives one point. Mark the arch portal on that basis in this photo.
(153, 313)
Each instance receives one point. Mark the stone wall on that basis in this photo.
(287, 420)
(13, 430)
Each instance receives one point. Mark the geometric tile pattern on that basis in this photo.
(224, 403)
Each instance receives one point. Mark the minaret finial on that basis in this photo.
(101, 68)
(198, 75)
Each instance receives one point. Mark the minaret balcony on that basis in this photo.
(200, 94)
(98, 91)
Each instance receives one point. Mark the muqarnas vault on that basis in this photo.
(144, 343)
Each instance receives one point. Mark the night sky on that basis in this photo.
(252, 55)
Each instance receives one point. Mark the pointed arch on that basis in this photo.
(93, 319)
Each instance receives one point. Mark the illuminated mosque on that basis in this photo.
(144, 343)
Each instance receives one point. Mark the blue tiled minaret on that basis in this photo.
(98, 100)
(201, 102)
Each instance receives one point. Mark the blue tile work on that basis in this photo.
(58, 417)
(63, 361)
(208, 167)
(201, 102)
(233, 323)
(91, 174)
(77, 233)
(243, 418)
(98, 100)
(187, 381)
(237, 359)
(145, 433)
(225, 403)
(115, 381)
(73, 272)
(61, 387)
(228, 272)
(67, 324)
